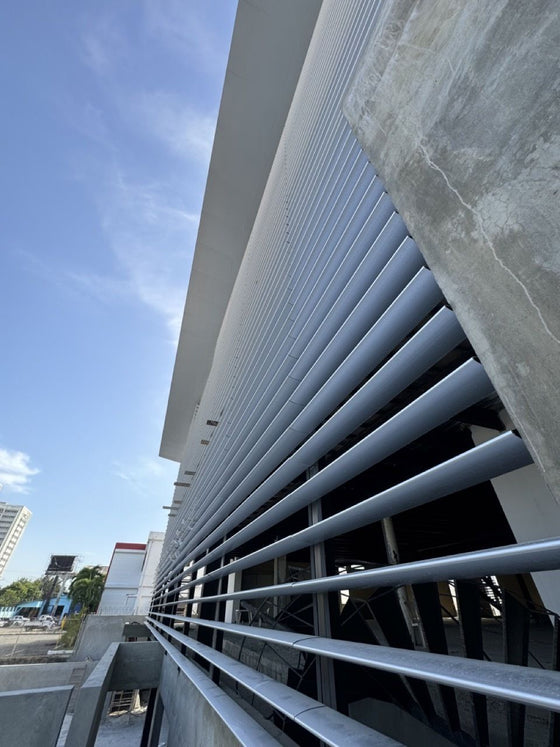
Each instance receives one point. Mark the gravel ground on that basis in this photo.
(115, 731)
(16, 642)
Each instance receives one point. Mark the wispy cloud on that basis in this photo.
(182, 26)
(152, 239)
(15, 471)
(145, 475)
(104, 288)
(183, 130)
(157, 135)
(102, 44)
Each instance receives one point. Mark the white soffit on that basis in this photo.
(268, 48)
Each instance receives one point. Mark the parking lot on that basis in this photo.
(18, 642)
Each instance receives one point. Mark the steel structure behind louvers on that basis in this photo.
(333, 522)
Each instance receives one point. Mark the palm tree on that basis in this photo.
(87, 587)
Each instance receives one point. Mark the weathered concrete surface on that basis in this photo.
(98, 631)
(457, 105)
(124, 666)
(28, 676)
(137, 666)
(91, 698)
(192, 721)
(32, 718)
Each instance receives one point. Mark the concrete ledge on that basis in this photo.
(33, 676)
(89, 704)
(32, 718)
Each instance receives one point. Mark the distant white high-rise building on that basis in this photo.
(13, 520)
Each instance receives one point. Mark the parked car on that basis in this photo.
(48, 621)
(43, 621)
(4, 621)
(19, 620)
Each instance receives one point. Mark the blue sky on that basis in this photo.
(108, 115)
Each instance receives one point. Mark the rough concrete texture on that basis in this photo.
(28, 676)
(90, 701)
(137, 666)
(192, 721)
(97, 632)
(457, 105)
(124, 666)
(32, 718)
(114, 731)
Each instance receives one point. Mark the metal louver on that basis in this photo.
(339, 397)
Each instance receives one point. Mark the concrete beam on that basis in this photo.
(124, 666)
(89, 704)
(33, 718)
(458, 107)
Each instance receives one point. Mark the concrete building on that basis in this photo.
(13, 520)
(364, 402)
(131, 576)
(123, 579)
(147, 580)
(363, 543)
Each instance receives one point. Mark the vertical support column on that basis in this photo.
(188, 612)
(219, 610)
(554, 723)
(208, 612)
(150, 711)
(156, 723)
(469, 614)
(429, 609)
(326, 689)
(516, 651)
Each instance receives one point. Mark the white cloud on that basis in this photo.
(183, 130)
(153, 241)
(101, 287)
(145, 475)
(102, 44)
(15, 471)
(182, 27)
(141, 194)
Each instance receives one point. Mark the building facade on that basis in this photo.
(120, 592)
(131, 577)
(363, 543)
(13, 520)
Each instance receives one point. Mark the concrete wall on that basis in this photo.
(32, 718)
(192, 721)
(28, 676)
(97, 632)
(457, 104)
(124, 666)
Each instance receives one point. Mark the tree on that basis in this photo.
(22, 590)
(87, 587)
